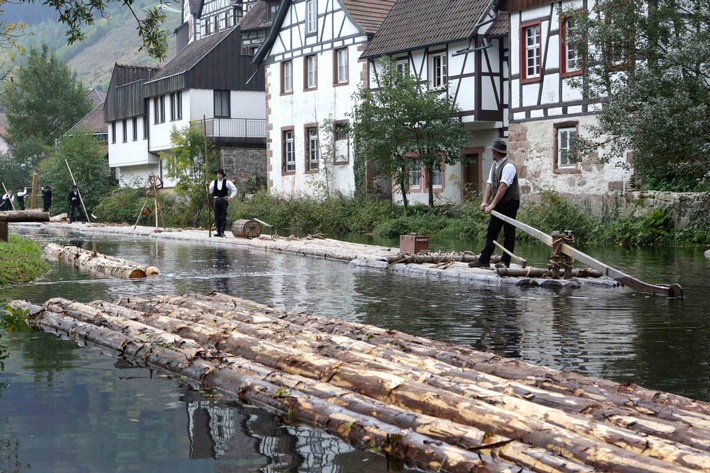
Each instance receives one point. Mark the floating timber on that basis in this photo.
(20, 216)
(437, 406)
(91, 260)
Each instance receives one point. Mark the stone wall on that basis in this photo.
(242, 163)
(680, 205)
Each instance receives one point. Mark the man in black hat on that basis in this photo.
(502, 184)
(75, 202)
(223, 191)
(46, 198)
(21, 193)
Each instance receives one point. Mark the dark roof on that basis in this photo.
(94, 120)
(255, 19)
(367, 14)
(414, 24)
(124, 98)
(125, 74)
(500, 25)
(96, 96)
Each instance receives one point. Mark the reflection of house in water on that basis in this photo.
(241, 439)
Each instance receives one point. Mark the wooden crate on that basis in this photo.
(413, 244)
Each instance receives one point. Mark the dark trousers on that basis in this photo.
(220, 204)
(509, 209)
(82, 217)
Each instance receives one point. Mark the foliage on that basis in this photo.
(122, 205)
(13, 173)
(401, 125)
(647, 63)
(22, 261)
(186, 163)
(87, 160)
(552, 212)
(43, 100)
(9, 47)
(13, 320)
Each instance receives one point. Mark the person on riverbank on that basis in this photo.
(502, 184)
(46, 198)
(223, 191)
(7, 199)
(21, 193)
(75, 203)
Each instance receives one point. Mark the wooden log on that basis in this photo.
(544, 273)
(661, 405)
(24, 216)
(654, 454)
(150, 348)
(91, 260)
(406, 258)
(467, 383)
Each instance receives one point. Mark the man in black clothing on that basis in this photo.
(223, 191)
(21, 193)
(46, 198)
(75, 202)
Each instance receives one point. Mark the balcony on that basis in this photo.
(240, 129)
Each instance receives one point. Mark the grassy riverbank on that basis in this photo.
(336, 216)
(22, 261)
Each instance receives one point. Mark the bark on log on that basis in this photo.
(438, 374)
(24, 216)
(363, 431)
(531, 272)
(662, 405)
(110, 265)
(595, 444)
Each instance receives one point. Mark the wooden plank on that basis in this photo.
(673, 290)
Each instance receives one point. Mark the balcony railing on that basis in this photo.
(235, 127)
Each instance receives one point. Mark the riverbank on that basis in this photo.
(21, 261)
(356, 254)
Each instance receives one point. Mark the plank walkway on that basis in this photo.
(437, 406)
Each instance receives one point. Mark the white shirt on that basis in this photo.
(12, 197)
(230, 185)
(22, 193)
(509, 171)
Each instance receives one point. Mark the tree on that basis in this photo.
(9, 48)
(42, 101)
(186, 164)
(88, 163)
(402, 125)
(647, 63)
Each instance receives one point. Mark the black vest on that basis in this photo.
(513, 190)
(223, 192)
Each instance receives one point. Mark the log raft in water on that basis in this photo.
(390, 385)
(94, 261)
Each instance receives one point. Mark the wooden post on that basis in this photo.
(33, 204)
(207, 173)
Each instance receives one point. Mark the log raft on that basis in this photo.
(94, 261)
(438, 406)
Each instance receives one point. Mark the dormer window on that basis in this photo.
(311, 16)
(271, 11)
(438, 77)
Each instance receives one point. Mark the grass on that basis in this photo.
(21, 261)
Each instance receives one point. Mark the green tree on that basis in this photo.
(647, 63)
(87, 159)
(186, 164)
(42, 102)
(402, 125)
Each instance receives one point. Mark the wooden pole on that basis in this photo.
(79, 192)
(207, 173)
(8, 197)
(33, 203)
(140, 212)
(523, 262)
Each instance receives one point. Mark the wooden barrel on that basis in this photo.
(246, 228)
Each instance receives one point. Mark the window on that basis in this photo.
(124, 125)
(271, 11)
(221, 104)
(159, 109)
(311, 16)
(216, 24)
(312, 159)
(565, 157)
(113, 132)
(146, 127)
(207, 27)
(135, 128)
(286, 77)
(437, 177)
(288, 152)
(570, 58)
(415, 175)
(530, 50)
(438, 77)
(402, 67)
(176, 106)
(162, 109)
(341, 66)
(342, 143)
(311, 71)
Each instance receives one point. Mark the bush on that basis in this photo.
(22, 261)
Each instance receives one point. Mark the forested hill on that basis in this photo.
(108, 41)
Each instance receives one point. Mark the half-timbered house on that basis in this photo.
(546, 111)
(311, 59)
(460, 48)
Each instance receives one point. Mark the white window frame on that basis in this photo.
(532, 51)
(437, 178)
(438, 70)
(311, 17)
(312, 155)
(572, 58)
(565, 136)
(342, 61)
(311, 71)
(415, 175)
(289, 152)
(287, 77)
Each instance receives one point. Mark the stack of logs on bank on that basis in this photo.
(437, 406)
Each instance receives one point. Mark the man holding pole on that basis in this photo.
(7, 200)
(75, 202)
(223, 191)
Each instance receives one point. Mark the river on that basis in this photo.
(68, 408)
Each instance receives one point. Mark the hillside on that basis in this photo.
(108, 41)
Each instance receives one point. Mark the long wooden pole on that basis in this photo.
(673, 290)
(78, 191)
(207, 173)
(8, 197)
(33, 204)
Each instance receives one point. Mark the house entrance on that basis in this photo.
(471, 173)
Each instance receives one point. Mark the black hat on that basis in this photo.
(220, 171)
(500, 146)
(74, 186)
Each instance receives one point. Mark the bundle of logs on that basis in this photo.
(437, 406)
(95, 261)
